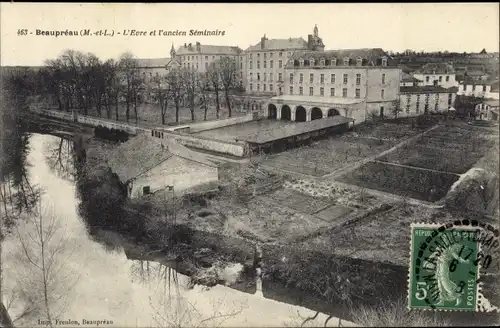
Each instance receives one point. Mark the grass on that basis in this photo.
(411, 182)
(396, 314)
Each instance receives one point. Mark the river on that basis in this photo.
(92, 282)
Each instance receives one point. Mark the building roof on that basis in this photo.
(408, 78)
(136, 156)
(436, 68)
(193, 49)
(153, 62)
(427, 89)
(279, 44)
(491, 102)
(369, 56)
(280, 132)
(476, 73)
(494, 86)
(470, 81)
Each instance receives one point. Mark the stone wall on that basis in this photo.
(209, 125)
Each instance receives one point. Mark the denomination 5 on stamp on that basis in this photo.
(445, 266)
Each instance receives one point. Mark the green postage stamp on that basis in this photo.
(445, 266)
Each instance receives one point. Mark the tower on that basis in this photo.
(172, 51)
(315, 31)
(314, 42)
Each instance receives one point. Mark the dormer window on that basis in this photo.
(311, 62)
(322, 62)
(384, 61)
(334, 62)
(359, 61)
(301, 62)
(346, 61)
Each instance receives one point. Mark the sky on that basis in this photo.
(457, 27)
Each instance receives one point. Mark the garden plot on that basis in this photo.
(336, 214)
(410, 182)
(299, 201)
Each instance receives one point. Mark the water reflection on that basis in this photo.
(60, 156)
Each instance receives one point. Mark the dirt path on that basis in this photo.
(413, 167)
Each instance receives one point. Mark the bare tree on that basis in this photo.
(203, 88)
(190, 82)
(396, 108)
(41, 274)
(161, 89)
(129, 69)
(213, 75)
(227, 68)
(176, 89)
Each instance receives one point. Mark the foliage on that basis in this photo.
(396, 108)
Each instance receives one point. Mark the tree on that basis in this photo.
(162, 94)
(396, 107)
(176, 89)
(215, 83)
(227, 69)
(204, 88)
(190, 82)
(130, 75)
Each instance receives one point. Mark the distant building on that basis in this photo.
(437, 74)
(146, 164)
(475, 88)
(417, 100)
(151, 68)
(476, 75)
(265, 62)
(488, 109)
(350, 83)
(409, 81)
(494, 91)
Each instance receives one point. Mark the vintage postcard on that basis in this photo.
(249, 165)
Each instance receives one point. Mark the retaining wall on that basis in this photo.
(210, 125)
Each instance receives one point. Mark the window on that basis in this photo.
(346, 61)
(474, 87)
(264, 87)
(241, 65)
(358, 93)
(484, 88)
(258, 64)
(251, 65)
(332, 92)
(322, 78)
(196, 67)
(332, 78)
(382, 93)
(407, 108)
(426, 106)
(258, 56)
(447, 78)
(280, 54)
(450, 98)
(265, 55)
(258, 87)
(311, 62)
(359, 61)
(301, 91)
(291, 77)
(384, 61)
(417, 107)
(271, 55)
(322, 62)
(333, 62)
(265, 63)
(383, 78)
(270, 77)
(251, 77)
(301, 78)
(206, 57)
(251, 87)
(280, 63)
(265, 75)
(436, 106)
(206, 65)
(358, 79)
(321, 91)
(427, 79)
(345, 78)
(258, 76)
(311, 78)
(464, 87)
(291, 90)
(189, 65)
(280, 77)
(344, 92)
(301, 62)
(213, 57)
(270, 64)
(270, 87)
(440, 79)
(311, 91)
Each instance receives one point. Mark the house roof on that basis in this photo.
(136, 156)
(369, 56)
(408, 78)
(279, 44)
(427, 89)
(469, 81)
(436, 68)
(476, 73)
(193, 49)
(491, 102)
(153, 62)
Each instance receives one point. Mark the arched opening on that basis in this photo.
(316, 114)
(300, 114)
(272, 111)
(333, 112)
(286, 113)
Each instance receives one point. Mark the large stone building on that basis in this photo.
(265, 62)
(437, 74)
(417, 100)
(352, 83)
(154, 67)
(474, 88)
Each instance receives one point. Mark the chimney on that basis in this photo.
(263, 42)
(198, 46)
(190, 46)
(185, 45)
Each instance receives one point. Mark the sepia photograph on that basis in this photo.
(249, 165)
